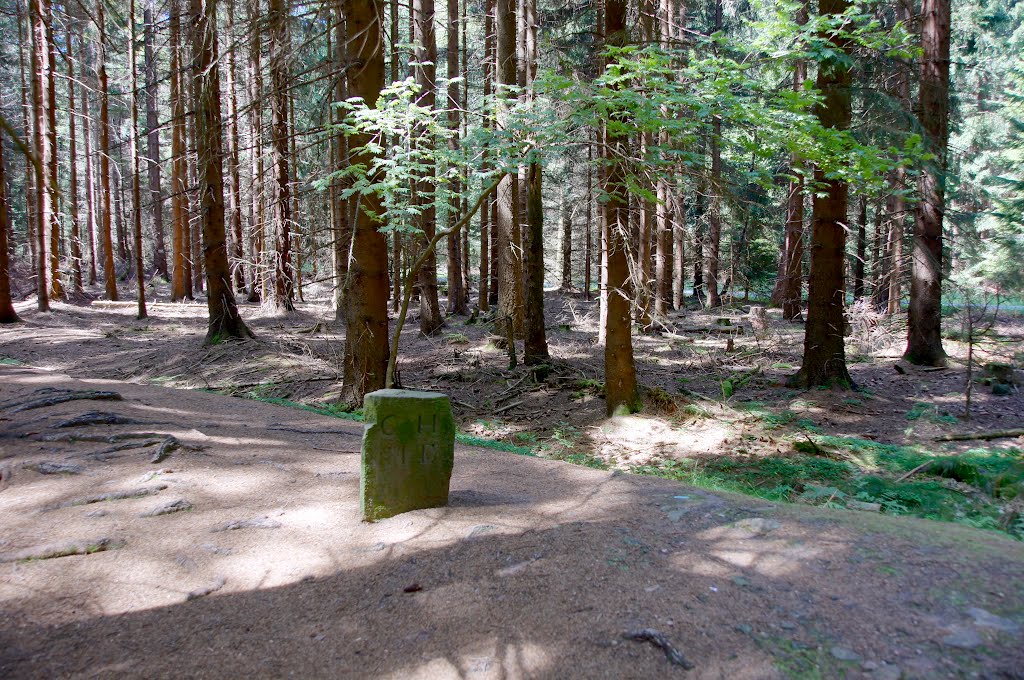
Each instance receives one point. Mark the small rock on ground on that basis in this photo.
(844, 654)
(962, 637)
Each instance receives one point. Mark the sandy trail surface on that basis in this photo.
(241, 554)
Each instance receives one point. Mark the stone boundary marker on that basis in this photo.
(408, 452)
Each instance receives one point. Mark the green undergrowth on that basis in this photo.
(982, 488)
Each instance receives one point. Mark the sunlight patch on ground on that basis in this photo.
(771, 558)
(641, 440)
(497, 660)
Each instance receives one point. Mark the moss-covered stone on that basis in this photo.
(408, 452)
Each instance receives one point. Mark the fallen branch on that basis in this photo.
(914, 471)
(659, 640)
(984, 436)
(508, 407)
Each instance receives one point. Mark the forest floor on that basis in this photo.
(537, 568)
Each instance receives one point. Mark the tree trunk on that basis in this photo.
(862, 249)
(679, 255)
(90, 166)
(426, 57)
(76, 226)
(486, 226)
(258, 291)
(715, 214)
(588, 245)
(195, 246)
(507, 199)
(924, 320)
(277, 27)
(153, 144)
(457, 298)
(181, 285)
(793, 251)
(619, 370)
(699, 234)
(26, 72)
(224, 321)
(824, 359)
(42, 80)
(237, 258)
(566, 213)
(7, 313)
(56, 284)
(366, 337)
(296, 232)
(535, 348)
(341, 229)
(663, 251)
(133, 152)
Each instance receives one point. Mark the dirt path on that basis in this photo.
(260, 566)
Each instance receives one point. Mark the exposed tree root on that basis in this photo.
(48, 468)
(47, 552)
(97, 418)
(49, 396)
(112, 496)
(123, 441)
(212, 588)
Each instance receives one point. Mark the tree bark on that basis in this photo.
(715, 214)
(277, 27)
(457, 299)
(156, 196)
(566, 214)
(237, 258)
(860, 259)
(26, 73)
(90, 166)
(42, 80)
(7, 313)
(257, 226)
(366, 336)
(924, 320)
(181, 282)
(224, 321)
(57, 291)
(619, 370)
(76, 225)
(679, 255)
(133, 152)
(341, 229)
(824, 359)
(426, 57)
(793, 251)
(535, 347)
(486, 226)
(194, 227)
(505, 232)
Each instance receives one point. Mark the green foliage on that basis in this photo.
(870, 472)
(931, 413)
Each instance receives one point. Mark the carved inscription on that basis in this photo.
(408, 452)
